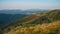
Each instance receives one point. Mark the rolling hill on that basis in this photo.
(33, 20)
(4, 18)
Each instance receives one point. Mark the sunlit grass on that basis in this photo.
(46, 28)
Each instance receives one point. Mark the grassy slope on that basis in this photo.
(47, 28)
(32, 21)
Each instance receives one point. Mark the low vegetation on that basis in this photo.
(47, 28)
(41, 23)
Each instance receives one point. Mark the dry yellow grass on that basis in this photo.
(48, 28)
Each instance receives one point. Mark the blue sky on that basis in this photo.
(30, 0)
(29, 4)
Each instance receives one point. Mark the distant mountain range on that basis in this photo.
(22, 11)
(11, 15)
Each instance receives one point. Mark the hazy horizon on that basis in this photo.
(29, 4)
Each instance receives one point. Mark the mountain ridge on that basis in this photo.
(21, 11)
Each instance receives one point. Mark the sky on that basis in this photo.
(29, 4)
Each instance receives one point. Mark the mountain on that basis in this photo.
(32, 20)
(30, 11)
(40, 18)
(4, 18)
(7, 16)
(10, 11)
(11, 15)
